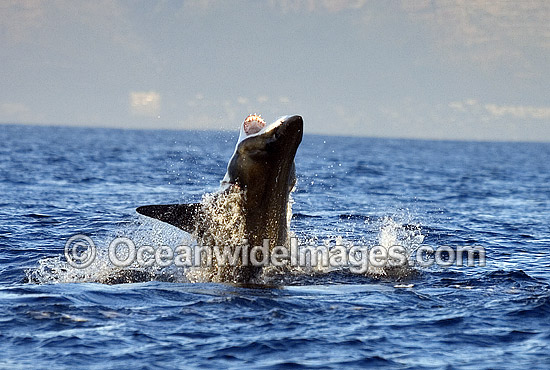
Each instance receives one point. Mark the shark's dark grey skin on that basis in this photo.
(262, 167)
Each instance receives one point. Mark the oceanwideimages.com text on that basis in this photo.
(81, 251)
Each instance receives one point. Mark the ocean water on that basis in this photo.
(58, 182)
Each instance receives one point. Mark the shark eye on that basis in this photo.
(253, 124)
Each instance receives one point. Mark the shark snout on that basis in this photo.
(290, 131)
(295, 123)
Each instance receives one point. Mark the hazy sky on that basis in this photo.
(446, 69)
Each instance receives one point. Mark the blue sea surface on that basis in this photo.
(56, 182)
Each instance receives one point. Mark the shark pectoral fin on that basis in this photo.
(182, 216)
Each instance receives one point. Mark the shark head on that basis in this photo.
(264, 155)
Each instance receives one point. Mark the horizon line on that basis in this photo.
(208, 129)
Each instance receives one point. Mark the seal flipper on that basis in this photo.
(183, 216)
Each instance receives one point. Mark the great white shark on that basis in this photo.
(253, 201)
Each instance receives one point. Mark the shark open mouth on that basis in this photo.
(253, 124)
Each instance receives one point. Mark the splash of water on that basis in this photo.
(395, 230)
(142, 231)
(222, 223)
